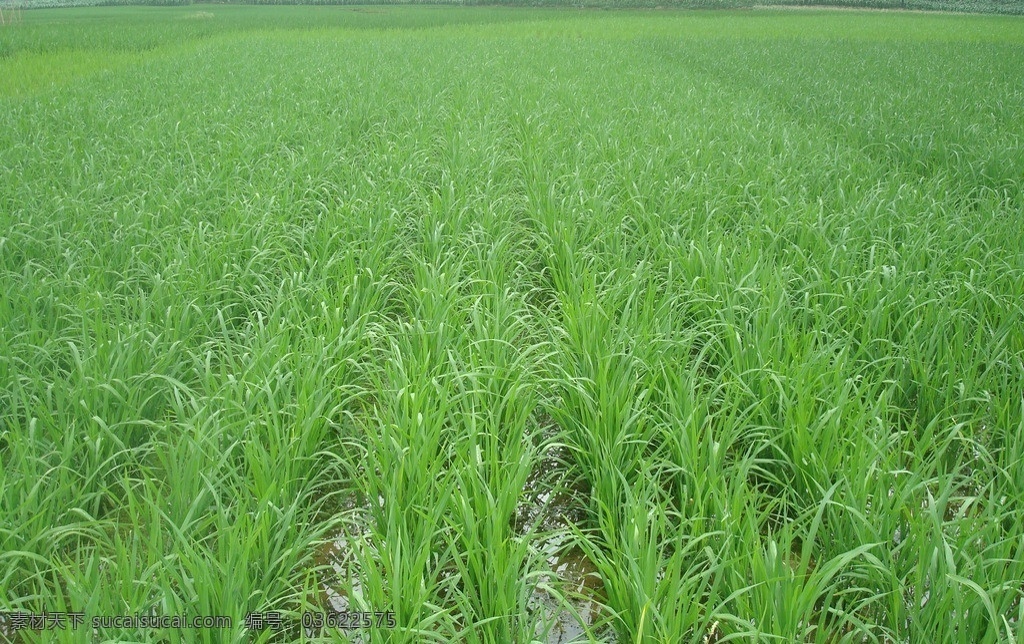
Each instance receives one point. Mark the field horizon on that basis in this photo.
(1007, 7)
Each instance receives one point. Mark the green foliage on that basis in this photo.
(968, 6)
(711, 321)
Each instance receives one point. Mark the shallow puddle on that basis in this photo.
(552, 502)
(576, 576)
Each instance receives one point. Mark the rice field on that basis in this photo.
(513, 325)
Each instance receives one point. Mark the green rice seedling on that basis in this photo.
(499, 401)
(661, 580)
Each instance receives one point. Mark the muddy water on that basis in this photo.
(551, 503)
(575, 574)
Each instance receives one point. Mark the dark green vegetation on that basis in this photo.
(312, 304)
(972, 6)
